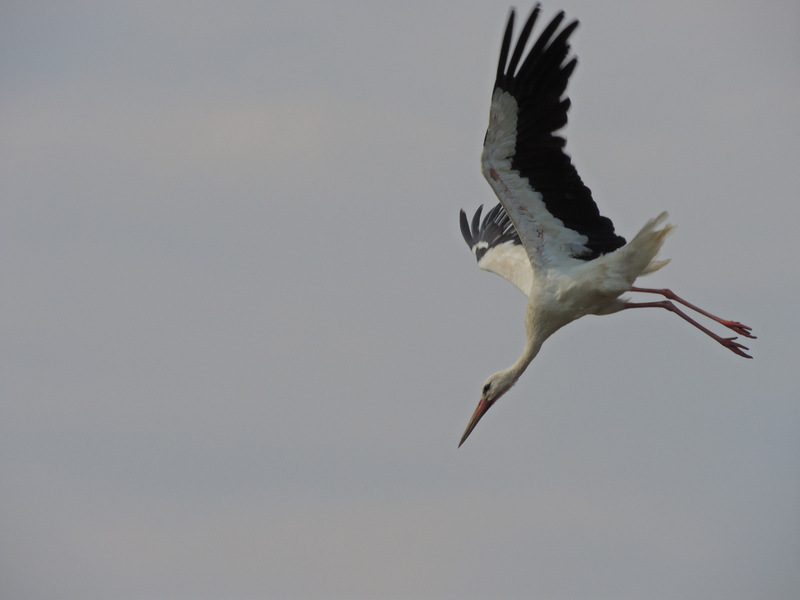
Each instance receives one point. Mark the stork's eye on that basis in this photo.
(486, 388)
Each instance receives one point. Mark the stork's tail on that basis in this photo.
(640, 253)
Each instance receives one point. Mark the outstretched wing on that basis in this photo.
(497, 247)
(524, 161)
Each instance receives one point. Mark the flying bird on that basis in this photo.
(546, 236)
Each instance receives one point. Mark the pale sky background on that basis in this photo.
(242, 335)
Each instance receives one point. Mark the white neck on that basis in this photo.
(509, 376)
(536, 332)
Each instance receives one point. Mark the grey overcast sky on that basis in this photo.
(242, 335)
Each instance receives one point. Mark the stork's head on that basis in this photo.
(494, 387)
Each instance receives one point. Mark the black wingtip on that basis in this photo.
(465, 231)
(495, 229)
(476, 224)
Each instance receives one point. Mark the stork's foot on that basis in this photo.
(739, 328)
(734, 346)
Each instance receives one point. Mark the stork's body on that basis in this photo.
(547, 236)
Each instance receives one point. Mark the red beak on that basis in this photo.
(483, 406)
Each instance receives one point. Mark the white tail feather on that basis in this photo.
(639, 255)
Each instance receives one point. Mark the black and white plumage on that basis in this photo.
(547, 236)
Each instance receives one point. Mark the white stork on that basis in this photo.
(546, 235)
